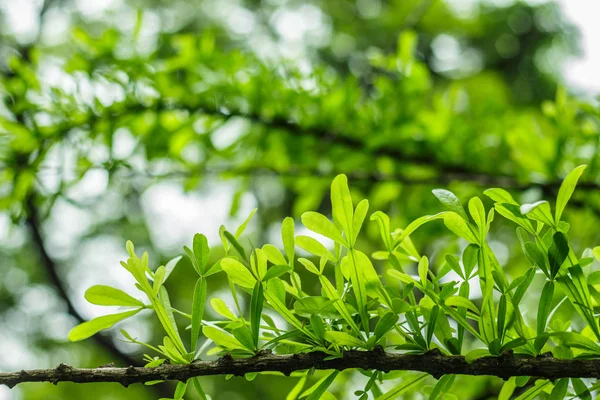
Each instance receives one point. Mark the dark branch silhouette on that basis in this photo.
(432, 362)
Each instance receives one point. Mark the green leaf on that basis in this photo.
(198, 303)
(383, 220)
(558, 252)
(199, 390)
(403, 387)
(309, 265)
(477, 211)
(295, 392)
(566, 190)
(423, 268)
(320, 224)
(317, 325)
(452, 202)
(343, 339)
(317, 390)
(236, 245)
(238, 273)
(168, 319)
(500, 196)
(245, 337)
(159, 278)
(341, 205)
(534, 391)
(89, 328)
(432, 321)
(287, 236)
(539, 211)
(256, 306)
(457, 301)
(221, 308)
(359, 217)
(469, 258)
(385, 324)
(559, 391)
(273, 255)
(442, 386)
(222, 338)
(180, 390)
(201, 252)
(416, 224)
(313, 246)
(508, 388)
(459, 226)
(243, 226)
(544, 307)
(577, 340)
(110, 296)
(276, 271)
(453, 263)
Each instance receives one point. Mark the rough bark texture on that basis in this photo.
(433, 362)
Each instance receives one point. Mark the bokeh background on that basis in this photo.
(151, 120)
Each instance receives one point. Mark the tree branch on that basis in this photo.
(432, 362)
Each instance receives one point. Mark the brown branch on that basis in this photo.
(432, 362)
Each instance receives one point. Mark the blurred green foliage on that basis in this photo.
(104, 110)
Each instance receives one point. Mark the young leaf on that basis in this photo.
(320, 224)
(313, 246)
(403, 387)
(180, 390)
(500, 196)
(238, 273)
(566, 190)
(559, 391)
(243, 226)
(341, 205)
(343, 339)
(457, 301)
(89, 328)
(221, 308)
(236, 245)
(110, 296)
(383, 220)
(198, 310)
(385, 324)
(359, 217)
(453, 263)
(273, 255)
(256, 307)
(539, 211)
(319, 389)
(276, 271)
(545, 306)
(459, 226)
(201, 252)
(477, 211)
(450, 200)
(222, 338)
(558, 252)
(442, 386)
(423, 268)
(287, 236)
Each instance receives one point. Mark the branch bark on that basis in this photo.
(432, 362)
